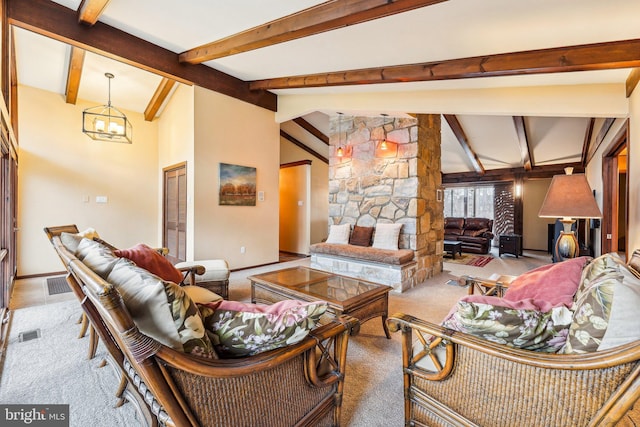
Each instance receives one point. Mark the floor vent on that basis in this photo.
(58, 285)
(29, 335)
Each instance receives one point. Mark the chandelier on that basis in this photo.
(107, 123)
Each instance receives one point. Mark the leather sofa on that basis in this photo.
(474, 233)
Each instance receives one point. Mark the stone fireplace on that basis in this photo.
(395, 182)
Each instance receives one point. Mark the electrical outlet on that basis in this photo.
(609, 236)
(242, 249)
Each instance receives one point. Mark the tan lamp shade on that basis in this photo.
(569, 196)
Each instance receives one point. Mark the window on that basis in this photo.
(469, 202)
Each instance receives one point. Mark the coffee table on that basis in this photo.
(345, 295)
(453, 246)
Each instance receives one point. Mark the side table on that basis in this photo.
(510, 244)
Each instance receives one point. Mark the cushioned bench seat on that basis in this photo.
(366, 253)
(395, 268)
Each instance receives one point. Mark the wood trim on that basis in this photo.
(327, 16)
(632, 81)
(510, 174)
(456, 127)
(89, 11)
(610, 188)
(35, 276)
(60, 23)
(602, 134)
(311, 129)
(161, 93)
(13, 85)
(525, 149)
(588, 57)
(587, 141)
(294, 164)
(301, 145)
(74, 74)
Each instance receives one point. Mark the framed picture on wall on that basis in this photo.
(237, 185)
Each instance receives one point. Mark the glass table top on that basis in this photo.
(319, 283)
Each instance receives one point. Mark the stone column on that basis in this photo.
(429, 203)
(396, 184)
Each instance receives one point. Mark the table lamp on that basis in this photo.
(569, 197)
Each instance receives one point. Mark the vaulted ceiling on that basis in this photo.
(256, 50)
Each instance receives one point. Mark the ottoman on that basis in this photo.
(215, 277)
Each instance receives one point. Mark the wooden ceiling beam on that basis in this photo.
(60, 23)
(323, 17)
(602, 134)
(587, 142)
(456, 127)
(74, 74)
(510, 174)
(162, 91)
(632, 81)
(89, 11)
(299, 144)
(525, 150)
(312, 129)
(598, 56)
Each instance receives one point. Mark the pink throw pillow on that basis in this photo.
(149, 259)
(548, 286)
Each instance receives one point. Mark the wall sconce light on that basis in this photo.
(518, 190)
(340, 151)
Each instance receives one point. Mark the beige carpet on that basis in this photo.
(56, 371)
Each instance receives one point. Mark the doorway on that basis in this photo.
(616, 195)
(295, 212)
(174, 211)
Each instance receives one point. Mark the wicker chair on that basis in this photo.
(189, 273)
(486, 384)
(299, 385)
(456, 379)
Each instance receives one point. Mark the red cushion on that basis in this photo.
(149, 259)
(548, 286)
(361, 236)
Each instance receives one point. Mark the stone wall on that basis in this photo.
(370, 184)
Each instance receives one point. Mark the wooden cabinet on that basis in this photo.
(510, 244)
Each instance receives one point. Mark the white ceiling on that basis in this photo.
(448, 30)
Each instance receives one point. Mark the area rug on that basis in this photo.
(473, 260)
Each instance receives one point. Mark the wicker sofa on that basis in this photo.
(454, 378)
(300, 384)
(474, 233)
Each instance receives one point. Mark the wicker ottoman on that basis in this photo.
(215, 277)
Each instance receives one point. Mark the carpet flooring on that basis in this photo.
(54, 368)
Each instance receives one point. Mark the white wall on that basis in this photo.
(604, 100)
(290, 153)
(235, 132)
(534, 233)
(175, 145)
(61, 171)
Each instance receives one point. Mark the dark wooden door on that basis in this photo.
(174, 236)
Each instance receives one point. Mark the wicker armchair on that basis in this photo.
(453, 378)
(480, 383)
(299, 385)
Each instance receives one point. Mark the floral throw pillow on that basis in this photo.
(161, 309)
(518, 328)
(237, 329)
(606, 310)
